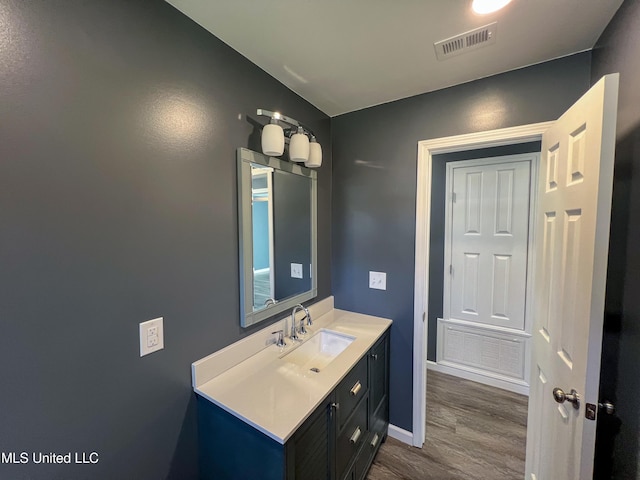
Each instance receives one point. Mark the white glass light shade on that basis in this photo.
(315, 155)
(299, 147)
(483, 7)
(272, 140)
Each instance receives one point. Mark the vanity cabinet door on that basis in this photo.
(308, 449)
(379, 388)
(378, 360)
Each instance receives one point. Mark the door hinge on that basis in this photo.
(450, 269)
(453, 197)
(424, 316)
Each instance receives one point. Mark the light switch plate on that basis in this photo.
(296, 270)
(378, 280)
(151, 336)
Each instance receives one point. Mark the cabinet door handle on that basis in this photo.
(356, 388)
(374, 356)
(356, 435)
(374, 441)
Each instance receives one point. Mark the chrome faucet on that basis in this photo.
(302, 330)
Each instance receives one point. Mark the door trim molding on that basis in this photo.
(426, 150)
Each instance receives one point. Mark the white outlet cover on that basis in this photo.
(378, 280)
(151, 336)
(296, 270)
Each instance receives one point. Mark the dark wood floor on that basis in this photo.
(473, 432)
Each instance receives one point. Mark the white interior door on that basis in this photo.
(488, 240)
(574, 207)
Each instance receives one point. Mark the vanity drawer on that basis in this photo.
(378, 426)
(351, 438)
(351, 390)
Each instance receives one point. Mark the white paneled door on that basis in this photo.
(573, 216)
(488, 240)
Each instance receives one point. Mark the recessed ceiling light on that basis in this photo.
(483, 7)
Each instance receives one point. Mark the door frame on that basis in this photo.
(426, 150)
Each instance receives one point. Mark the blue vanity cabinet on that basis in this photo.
(337, 441)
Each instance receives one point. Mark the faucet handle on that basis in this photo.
(280, 338)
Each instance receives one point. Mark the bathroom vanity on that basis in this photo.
(265, 412)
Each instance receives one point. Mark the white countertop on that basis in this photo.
(275, 396)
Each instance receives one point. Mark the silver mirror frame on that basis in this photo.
(245, 158)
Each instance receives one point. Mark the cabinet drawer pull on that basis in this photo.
(374, 441)
(356, 435)
(356, 388)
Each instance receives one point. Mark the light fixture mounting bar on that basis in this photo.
(278, 116)
(283, 118)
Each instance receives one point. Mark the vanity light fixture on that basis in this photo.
(274, 137)
(299, 146)
(315, 154)
(482, 7)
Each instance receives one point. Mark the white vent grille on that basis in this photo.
(466, 42)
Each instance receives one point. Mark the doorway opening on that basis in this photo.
(426, 151)
(479, 323)
(482, 220)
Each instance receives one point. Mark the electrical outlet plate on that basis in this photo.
(296, 270)
(378, 280)
(151, 336)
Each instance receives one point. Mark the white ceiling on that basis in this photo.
(344, 55)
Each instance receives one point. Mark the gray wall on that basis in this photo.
(119, 122)
(618, 50)
(374, 187)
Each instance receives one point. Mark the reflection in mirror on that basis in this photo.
(262, 223)
(277, 219)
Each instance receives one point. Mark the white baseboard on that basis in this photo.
(400, 434)
(490, 380)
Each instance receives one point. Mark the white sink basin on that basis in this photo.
(320, 350)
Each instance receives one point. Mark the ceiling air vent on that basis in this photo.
(466, 42)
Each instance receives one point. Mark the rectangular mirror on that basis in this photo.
(277, 212)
